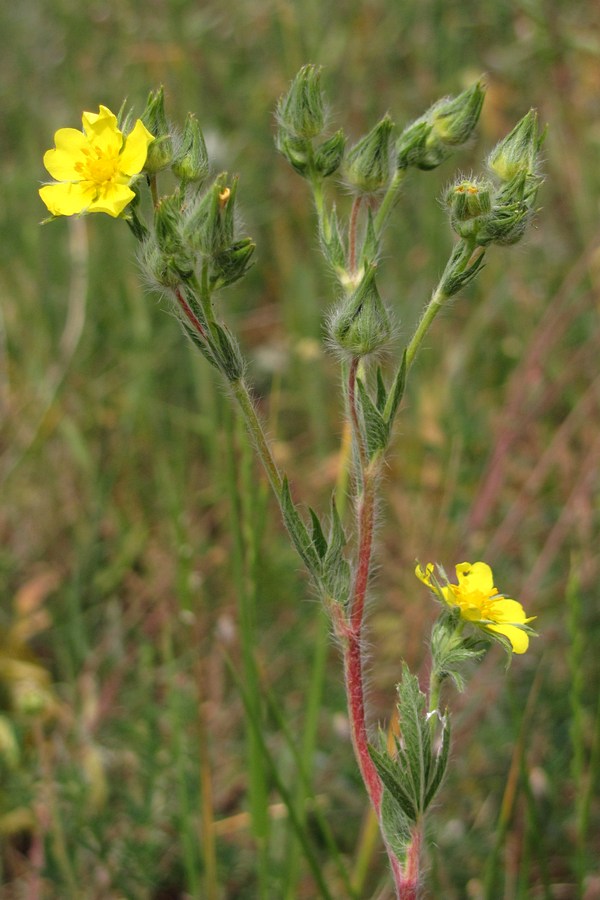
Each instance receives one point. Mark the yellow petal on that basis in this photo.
(519, 639)
(475, 577)
(424, 574)
(133, 157)
(506, 610)
(112, 200)
(60, 162)
(93, 121)
(66, 199)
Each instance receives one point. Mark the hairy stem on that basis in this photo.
(253, 424)
(353, 659)
(352, 233)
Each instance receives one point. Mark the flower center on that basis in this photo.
(99, 166)
(474, 605)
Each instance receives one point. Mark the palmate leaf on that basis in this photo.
(412, 777)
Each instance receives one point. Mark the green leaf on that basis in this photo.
(396, 394)
(381, 391)
(415, 750)
(335, 567)
(396, 826)
(370, 248)
(376, 428)
(318, 538)
(226, 350)
(440, 763)
(415, 773)
(392, 778)
(298, 531)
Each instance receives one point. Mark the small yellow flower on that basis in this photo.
(479, 602)
(94, 167)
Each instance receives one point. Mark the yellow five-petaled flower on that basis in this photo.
(94, 167)
(479, 602)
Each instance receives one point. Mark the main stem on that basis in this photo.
(406, 879)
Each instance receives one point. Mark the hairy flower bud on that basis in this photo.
(519, 151)
(192, 161)
(232, 264)
(209, 226)
(361, 324)
(512, 211)
(469, 204)
(431, 139)
(367, 164)
(328, 157)
(160, 151)
(301, 112)
(297, 151)
(173, 263)
(454, 119)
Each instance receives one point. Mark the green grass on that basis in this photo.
(126, 478)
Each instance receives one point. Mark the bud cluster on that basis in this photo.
(302, 120)
(499, 213)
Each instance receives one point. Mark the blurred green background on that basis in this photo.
(135, 529)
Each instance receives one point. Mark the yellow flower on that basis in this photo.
(479, 602)
(94, 167)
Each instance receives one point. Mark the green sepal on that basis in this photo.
(376, 428)
(450, 650)
(318, 538)
(298, 531)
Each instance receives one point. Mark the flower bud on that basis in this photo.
(454, 119)
(167, 217)
(172, 264)
(431, 139)
(210, 224)
(232, 264)
(469, 203)
(367, 164)
(301, 112)
(361, 324)
(519, 151)
(297, 151)
(160, 151)
(512, 211)
(192, 162)
(329, 155)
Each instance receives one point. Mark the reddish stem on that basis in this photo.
(406, 880)
(352, 630)
(352, 229)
